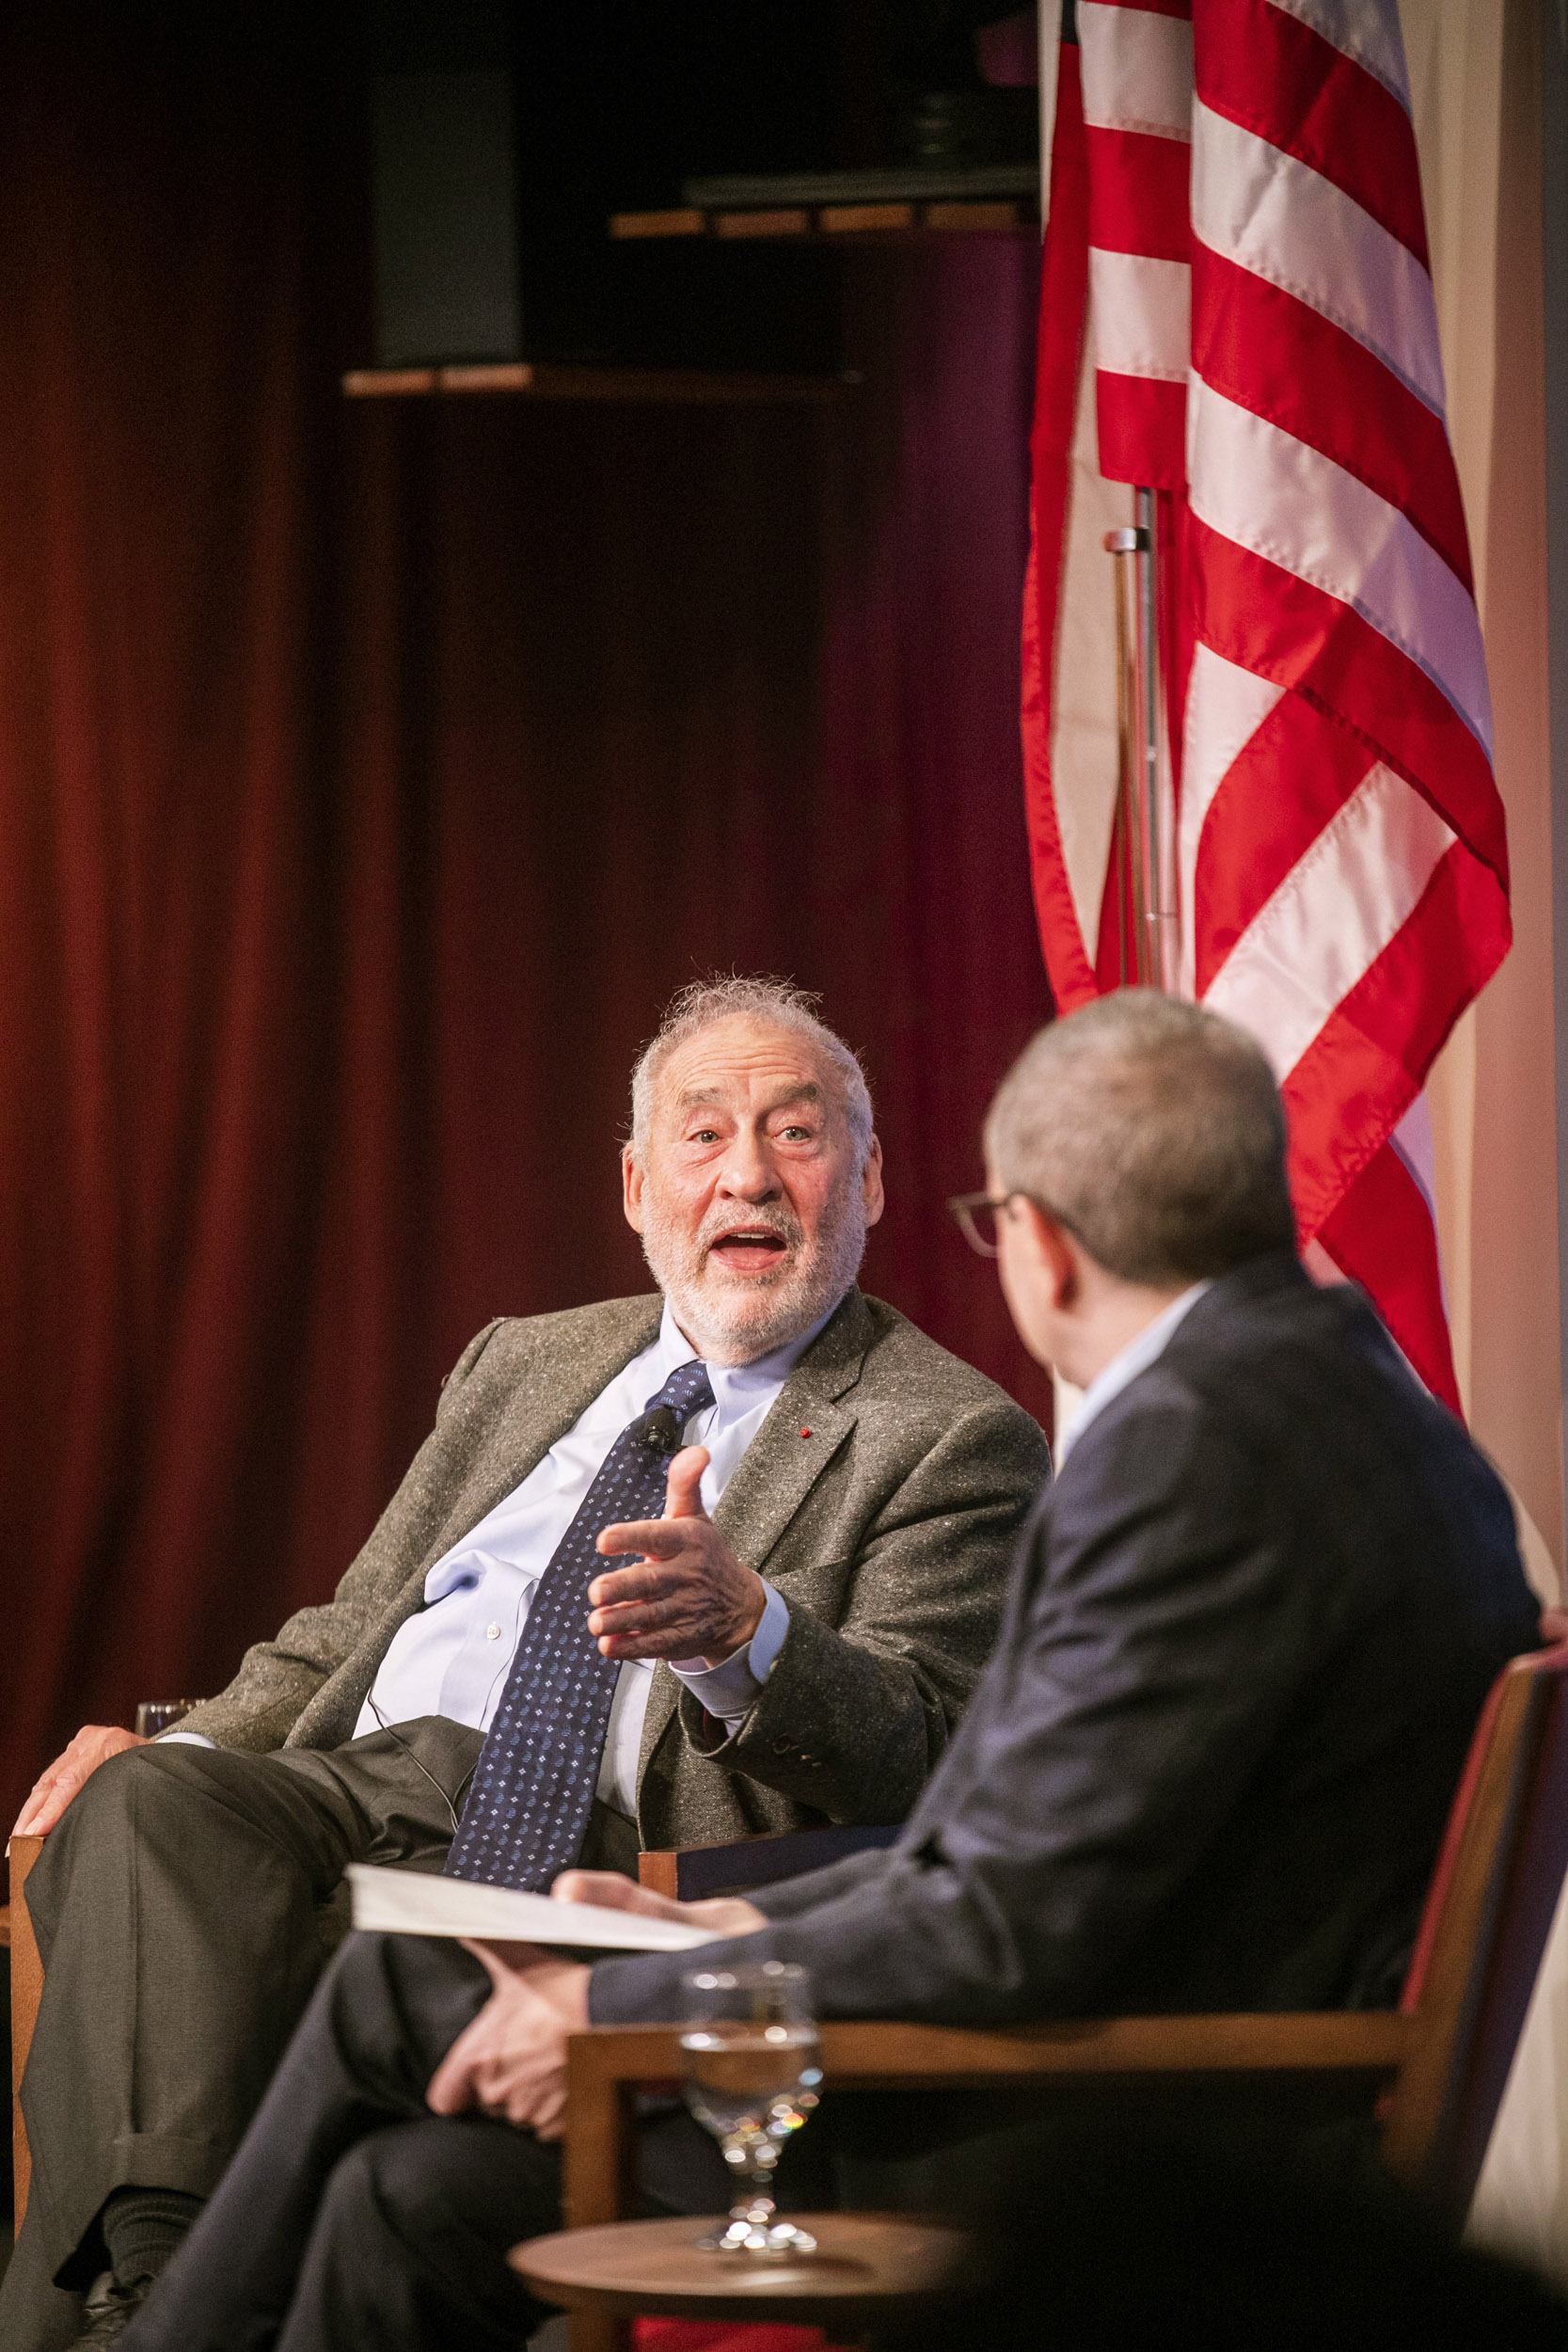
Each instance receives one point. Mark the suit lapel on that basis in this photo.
(663, 1698)
(780, 1467)
(797, 1440)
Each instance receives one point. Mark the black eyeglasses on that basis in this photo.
(977, 1214)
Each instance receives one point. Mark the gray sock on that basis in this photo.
(143, 2229)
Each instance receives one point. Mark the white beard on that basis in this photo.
(733, 1319)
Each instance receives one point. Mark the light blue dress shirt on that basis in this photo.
(1124, 1367)
(453, 1656)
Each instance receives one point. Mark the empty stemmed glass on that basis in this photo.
(749, 2077)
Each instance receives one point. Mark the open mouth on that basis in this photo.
(749, 1249)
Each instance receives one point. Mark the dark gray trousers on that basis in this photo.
(185, 1907)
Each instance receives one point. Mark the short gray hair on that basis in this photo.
(737, 996)
(1154, 1131)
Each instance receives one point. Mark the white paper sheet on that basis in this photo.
(415, 1903)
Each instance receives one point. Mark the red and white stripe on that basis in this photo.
(1342, 860)
(1137, 76)
(1340, 852)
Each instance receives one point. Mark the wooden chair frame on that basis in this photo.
(26, 1986)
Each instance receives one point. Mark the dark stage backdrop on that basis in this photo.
(368, 775)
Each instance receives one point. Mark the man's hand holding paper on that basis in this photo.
(606, 1890)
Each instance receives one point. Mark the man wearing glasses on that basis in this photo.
(1208, 1765)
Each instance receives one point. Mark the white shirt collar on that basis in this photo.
(1124, 1367)
(737, 1388)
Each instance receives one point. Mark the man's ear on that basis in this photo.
(631, 1188)
(1056, 1260)
(871, 1182)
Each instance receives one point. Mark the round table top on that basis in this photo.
(865, 2264)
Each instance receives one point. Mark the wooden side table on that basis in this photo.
(869, 2268)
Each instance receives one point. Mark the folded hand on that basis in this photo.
(511, 2060)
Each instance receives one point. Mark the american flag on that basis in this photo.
(1237, 311)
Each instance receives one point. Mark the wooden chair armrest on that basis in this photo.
(904, 2057)
(26, 1985)
(1355, 2050)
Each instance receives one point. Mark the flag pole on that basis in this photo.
(1048, 16)
(1144, 824)
(1148, 706)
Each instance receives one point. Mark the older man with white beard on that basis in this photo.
(669, 1570)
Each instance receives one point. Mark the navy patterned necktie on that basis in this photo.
(534, 1785)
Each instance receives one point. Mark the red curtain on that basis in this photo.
(368, 775)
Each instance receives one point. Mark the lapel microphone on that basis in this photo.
(661, 1431)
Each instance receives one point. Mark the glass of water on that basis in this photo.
(750, 2076)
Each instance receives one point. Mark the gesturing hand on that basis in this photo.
(511, 2060)
(54, 1790)
(689, 1596)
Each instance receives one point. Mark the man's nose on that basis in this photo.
(749, 1173)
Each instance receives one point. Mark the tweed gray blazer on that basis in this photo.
(882, 1495)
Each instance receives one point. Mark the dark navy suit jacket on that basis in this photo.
(1208, 1764)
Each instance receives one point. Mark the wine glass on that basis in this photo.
(749, 2077)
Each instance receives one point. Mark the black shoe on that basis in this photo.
(110, 2307)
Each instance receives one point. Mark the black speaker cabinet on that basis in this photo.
(443, 149)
